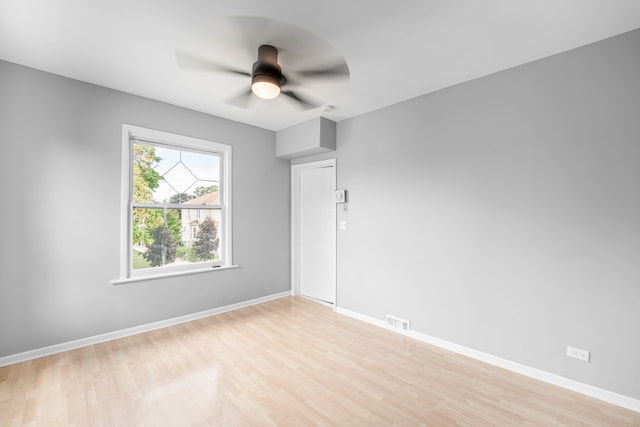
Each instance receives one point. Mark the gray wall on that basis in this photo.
(60, 153)
(503, 214)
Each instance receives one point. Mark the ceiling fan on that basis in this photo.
(267, 79)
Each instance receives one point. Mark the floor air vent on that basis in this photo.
(398, 323)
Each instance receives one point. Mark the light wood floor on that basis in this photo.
(285, 362)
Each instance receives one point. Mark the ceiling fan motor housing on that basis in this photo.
(266, 68)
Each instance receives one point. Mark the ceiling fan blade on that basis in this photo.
(339, 70)
(188, 61)
(253, 31)
(304, 103)
(297, 47)
(241, 100)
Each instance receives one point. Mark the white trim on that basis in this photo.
(109, 336)
(125, 178)
(170, 139)
(295, 225)
(317, 301)
(173, 274)
(362, 317)
(547, 377)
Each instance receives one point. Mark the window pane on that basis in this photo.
(172, 237)
(166, 175)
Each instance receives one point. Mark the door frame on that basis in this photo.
(295, 225)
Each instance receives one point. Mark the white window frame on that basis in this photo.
(131, 133)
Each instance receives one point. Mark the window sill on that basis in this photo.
(175, 274)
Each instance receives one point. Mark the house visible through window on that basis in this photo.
(177, 208)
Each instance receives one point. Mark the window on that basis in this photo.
(176, 204)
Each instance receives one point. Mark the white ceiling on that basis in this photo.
(395, 50)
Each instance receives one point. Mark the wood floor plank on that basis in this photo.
(288, 362)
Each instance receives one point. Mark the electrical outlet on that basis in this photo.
(578, 353)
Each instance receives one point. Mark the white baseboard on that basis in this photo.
(557, 380)
(96, 339)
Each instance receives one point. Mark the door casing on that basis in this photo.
(295, 225)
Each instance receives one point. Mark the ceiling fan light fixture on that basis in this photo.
(265, 86)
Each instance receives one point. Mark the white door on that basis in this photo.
(316, 222)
